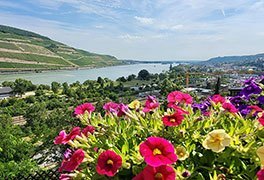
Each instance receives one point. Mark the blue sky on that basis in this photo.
(145, 29)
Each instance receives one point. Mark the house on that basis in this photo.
(5, 92)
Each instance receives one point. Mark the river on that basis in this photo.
(70, 76)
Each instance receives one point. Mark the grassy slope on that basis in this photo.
(24, 45)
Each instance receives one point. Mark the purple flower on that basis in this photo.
(236, 100)
(122, 110)
(251, 89)
(68, 153)
(249, 81)
(261, 100)
(244, 110)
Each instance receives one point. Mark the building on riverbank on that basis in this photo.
(5, 92)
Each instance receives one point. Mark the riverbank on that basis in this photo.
(81, 75)
(6, 71)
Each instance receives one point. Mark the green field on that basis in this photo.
(7, 45)
(34, 57)
(31, 66)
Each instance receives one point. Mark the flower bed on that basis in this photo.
(219, 138)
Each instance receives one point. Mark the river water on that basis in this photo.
(82, 75)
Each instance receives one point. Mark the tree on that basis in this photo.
(21, 86)
(217, 86)
(131, 77)
(143, 75)
(55, 86)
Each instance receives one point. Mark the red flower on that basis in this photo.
(261, 120)
(63, 138)
(230, 107)
(108, 163)
(260, 174)
(179, 97)
(157, 151)
(173, 120)
(163, 172)
(218, 99)
(70, 164)
(86, 107)
(88, 130)
(151, 104)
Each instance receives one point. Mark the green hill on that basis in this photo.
(24, 50)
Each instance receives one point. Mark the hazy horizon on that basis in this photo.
(145, 30)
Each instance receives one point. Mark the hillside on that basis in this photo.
(24, 50)
(238, 60)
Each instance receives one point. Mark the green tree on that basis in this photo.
(55, 86)
(143, 75)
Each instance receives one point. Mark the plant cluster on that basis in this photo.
(180, 138)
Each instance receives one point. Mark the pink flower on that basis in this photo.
(176, 97)
(163, 172)
(88, 130)
(157, 151)
(60, 139)
(218, 99)
(230, 107)
(260, 174)
(63, 138)
(178, 109)
(111, 107)
(108, 163)
(261, 119)
(86, 107)
(255, 109)
(173, 120)
(71, 163)
(151, 104)
(64, 177)
(117, 109)
(122, 110)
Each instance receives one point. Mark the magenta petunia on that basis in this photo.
(108, 163)
(260, 174)
(157, 151)
(64, 138)
(150, 104)
(86, 107)
(217, 98)
(173, 120)
(111, 107)
(88, 130)
(176, 97)
(163, 172)
(261, 119)
(72, 163)
(230, 107)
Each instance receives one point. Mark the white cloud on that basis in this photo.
(144, 20)
(130, 37)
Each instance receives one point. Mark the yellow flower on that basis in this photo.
(217, 140)
(260, 153)
(181, 153)
(134, 104)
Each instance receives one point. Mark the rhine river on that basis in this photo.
(70, 76)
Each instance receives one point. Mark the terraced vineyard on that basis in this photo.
(21, 49)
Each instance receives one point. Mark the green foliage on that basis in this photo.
(35, 58)
(15, 154)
